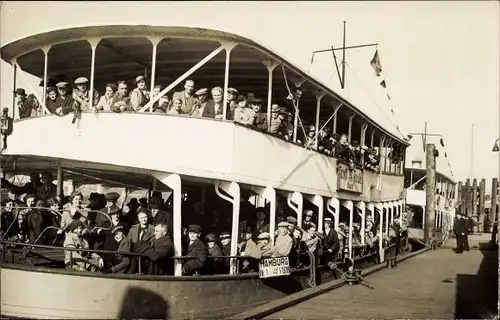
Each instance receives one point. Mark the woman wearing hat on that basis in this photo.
(74, 212)
(139, 97)
(116, 241)
(22, 103)
(265, 247)
(243, 113)
(79, 260)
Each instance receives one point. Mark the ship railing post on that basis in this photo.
(228, 46)
(392, 206)
(349, 134)
(296, 203)
(319, 94)
(154, 42)
(233, 189)
(334, 124)
(361, 205)
(270, 65)
(45, 50)
(318, 202)
(269, 194)
(94, 42)
(372, 138)
(400, 203)
(173, 181)
(333, 206)
(380, 209)
(182, 77)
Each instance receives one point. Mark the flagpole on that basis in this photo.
(343, 60)
(472, 154)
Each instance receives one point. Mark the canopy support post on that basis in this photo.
(93, 44)
(386, 216)
(349, 206)
(350, 128)
(60, 182)
(233, 189)
(45, 50)
(333, 206)
(270, 65)
(380, 209)
(228, 46)
(335, 109)
(173, 181)
(154, 42)
(13, 62)
(318, 95)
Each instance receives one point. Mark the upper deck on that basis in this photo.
(170, 55)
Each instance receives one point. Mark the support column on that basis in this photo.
(270, 65)
(400, 202)
(430, 199)
(182, 77)
(154, 42)
(380, 209)
(270, 195)
(45, 50)
(392, 205)
(364, 127)
(372, 138)
(350, 128)
(296, 203)
(318, 202)
(482, 190)
(468, 202)
(60, 182)
(318, 95)
(228, 46)
(386, 217)
(333, 206)
(93, 44)
(233, 189)
(361, 205)
(335, 109)
(349, 206)
(13, 62)
(381, 154)
(173, 181)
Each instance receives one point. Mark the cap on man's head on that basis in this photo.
(139, 79)
(20, 91)
(232, 91)
(264, 236)
(111, 196)
(283, 224)
(201, 92)
(247, 230)
(308, 213)
(257, 101)
(329, 220)
(194, 228)
(224, 235)
(81, 80)
(283, 111)
(275, 108)
(210, 237)
(62, 84)
(291, 220)
(116, 229)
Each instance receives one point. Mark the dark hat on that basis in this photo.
(291, 220)
(308, 213)
(112, 196)
(335, 136)
(117, 228)
(283, 110)
(51, 89)
(257, 101)
(241, 98)
(133, 202)
(140, 78)
(224, 235)
(20, 91)
(194, 228)
(210, 237)
(143, 201)
(355, 144)
(246, 230)
(114, 209)
(31, 195)
(250, 96)
(156, 194)
(74, 224)
(93, 195)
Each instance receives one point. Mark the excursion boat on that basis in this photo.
(415, 184)
(188, 157)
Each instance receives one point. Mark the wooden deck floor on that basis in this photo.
(435, 285)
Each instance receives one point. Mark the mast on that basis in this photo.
(471, 172)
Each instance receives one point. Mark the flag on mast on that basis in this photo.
(376, 63)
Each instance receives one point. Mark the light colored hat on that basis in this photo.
(275, 108)
(140, 78)
(264, 235)
(81, 80)
(201, 92)
(62, 84)
(283, 224)
(232, 91)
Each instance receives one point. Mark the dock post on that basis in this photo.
(468, 200)
(474, 203)
(480, 220)
(493, 210)
(430, 191)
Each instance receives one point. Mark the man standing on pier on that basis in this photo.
(460, 233)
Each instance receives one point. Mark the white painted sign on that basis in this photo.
(274, 267)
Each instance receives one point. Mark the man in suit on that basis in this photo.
(187, 97)
(197, 250)
(47, 190)
(331, 244)
(160, 252)
(160, 216)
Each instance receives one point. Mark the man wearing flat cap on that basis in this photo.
(275, 120)
(248, 248)
(140, 96)
(231, 103)
(260, 118)
(202, 96)
(81, 95)
(264, 244)
(64, 103)
(187, 97)
(196, 250)
(283, 243)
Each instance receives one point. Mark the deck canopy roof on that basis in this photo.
(125, 52)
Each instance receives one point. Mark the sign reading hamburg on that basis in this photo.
(350, 180)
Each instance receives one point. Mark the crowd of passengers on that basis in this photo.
(146, 229)
(63, 98)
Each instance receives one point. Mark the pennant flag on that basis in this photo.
(388, 96)
(446, 155)
(441, 142)
(375, 62)
(392, 111)
(383, 84)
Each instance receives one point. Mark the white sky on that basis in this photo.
(440, 59)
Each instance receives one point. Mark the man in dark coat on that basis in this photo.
(116, 241)
(459, 233)
(161, 252)
(197, 250)
(140, 236)
(469, 229)
(160, 216)
(331, 243)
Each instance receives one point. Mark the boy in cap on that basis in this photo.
(197, 250)
(81, 95)
(64, 103)
(260, 118)
(275, 120)
(265, 247)
(248, 248)
(231, 103)
(140, 96)
(283, 243)
(225, 241)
